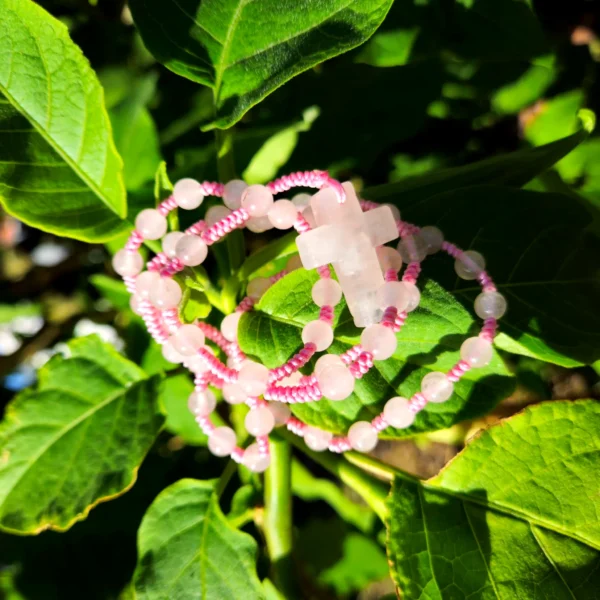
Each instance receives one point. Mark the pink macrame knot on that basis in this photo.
(196, 228)
(237, 455)
(417, 402)
(412, 272)
(293, 364)
(361, 365)
(301, 225)
(486, 282)
(134, 242)
(367, 205)
(406, 229)
(339, 445)
(172, 267)
(389, 317)
(326, 314)
(165, 207)
(324, 272)
(212, 188)
(379, 423)
(246, 305)
(129, 281)
(490, 327)
(391, 275)
(224, 226)
(458, 370)
(205, 424)
(451, 249)
(295, 426)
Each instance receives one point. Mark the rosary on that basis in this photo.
(335, 228)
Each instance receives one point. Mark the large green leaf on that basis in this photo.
(515, 515)
(429, 341)
(188, 550)
(76, 440)
(244, 50)
(59, 169)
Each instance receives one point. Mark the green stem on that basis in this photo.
(225, 162)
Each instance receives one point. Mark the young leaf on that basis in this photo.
(245, 50)
(76, 440)
(112, 289)
(512, 516)
(59, 169)
(188, 550)
(429, 341)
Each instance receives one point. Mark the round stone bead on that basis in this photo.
(170, 354)
(259, 421)
(283, 214)
(229, 326)
(436, 387)
(145, 282)
(335, 381)
(389, 258)
(221, 441)
(259, 224)
(317, 439)
(326, 292)
(232, 193)
(469, 265)
(191, 250)
(414, 295)
(395, 211)
(151, 224)
(301, 201)
(166, 294)
(433, 238)
(169, 242)
(490, 305)
(257, 287)
(393, 293)
(412, 249)
(196, 363)
(328, 360)
(319, 333)
(379, 340)
(254, 460)
(253, 378)
(187, 340)
(281, 413)
(201, 404)
(215, 214)
(476, 351)
(234, 394)
(134, 304)
(127, 264)
(293, 263)
(397, 413)
(362, 436)
(257, 200)
(188, 194)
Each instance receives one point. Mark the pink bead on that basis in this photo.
(166, 294)
(281, 412)
(380, 341)
(187, 340)
(151, 224)
(283, 214)
(221, 441)
(317, 439)
(145, 282)
(170, 354)
(188, 194)
(433, 238)
(229, 326)
(469, 265)
(395, 211)
(215, 214)
(259, 224)
(254, 460)
(126, 263)
(389, 258)
(336, 382)
(232, 193)
(293, 263)
(362, 436)
(309, 215)
(328, 360)
(253, 378)
(318, 333)
(393, 293)
(257, 287)
(490, 305)
(170, 241)
(397, 413)
(436, 387)
(301, 201)
(259, 421)
(197, 364)
(326, 292)
(191, 250)
(134, 304)
(257, 200)
(201, 404)
(234, 394)
(412, 249)
(476, 351)
(413, 294)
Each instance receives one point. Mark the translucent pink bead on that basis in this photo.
(259, 421)
(145, 282)
(309, 215)
(301, 201)
(433, 238)
(187, 340)
(254, 460)
(281, 412)
(393, 293)
(191, 250)
(389, 258)
(326, 292)
(318, 333)
(188, 194)
(379, 340)
(232, 194)
(229, 326)
(362, 436)
(215, 214)
(283, 214)
(234, 394)
(436, 387)
(412, 248)
(151, 224)
(259, 224)
(196, 363)
(126, 263)
(414, 295)
(134, 304)
(397, 413)
(469, 265)
(328, 360)
(257, 200)
(170, 354)
(201, 404)
(293, 263)
(166, 294)
(170, 241)
(336, 382)
(476, 351)
(253, 378)
(257, 287)
(221, 441)
(317, 439)
(395, 211)
(490, 305)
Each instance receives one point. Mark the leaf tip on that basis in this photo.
(588, 119)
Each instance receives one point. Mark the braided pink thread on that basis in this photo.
(165, 207)
(458, 370)
(412, 272)
(220, 229)
(294, 364)
(313, 179)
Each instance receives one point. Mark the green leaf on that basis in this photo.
(76, 440)
(59, 169)
(282, 246)
(8, 312)
(112, 289)
(429, 341)
(245, 50)
(514, 515)
(187, 549)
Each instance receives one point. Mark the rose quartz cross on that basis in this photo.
(347, 238)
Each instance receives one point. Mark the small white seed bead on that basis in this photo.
(188, 194)
(151, 224)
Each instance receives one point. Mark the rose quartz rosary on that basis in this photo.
(336, 228)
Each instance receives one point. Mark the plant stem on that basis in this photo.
(225, 163)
